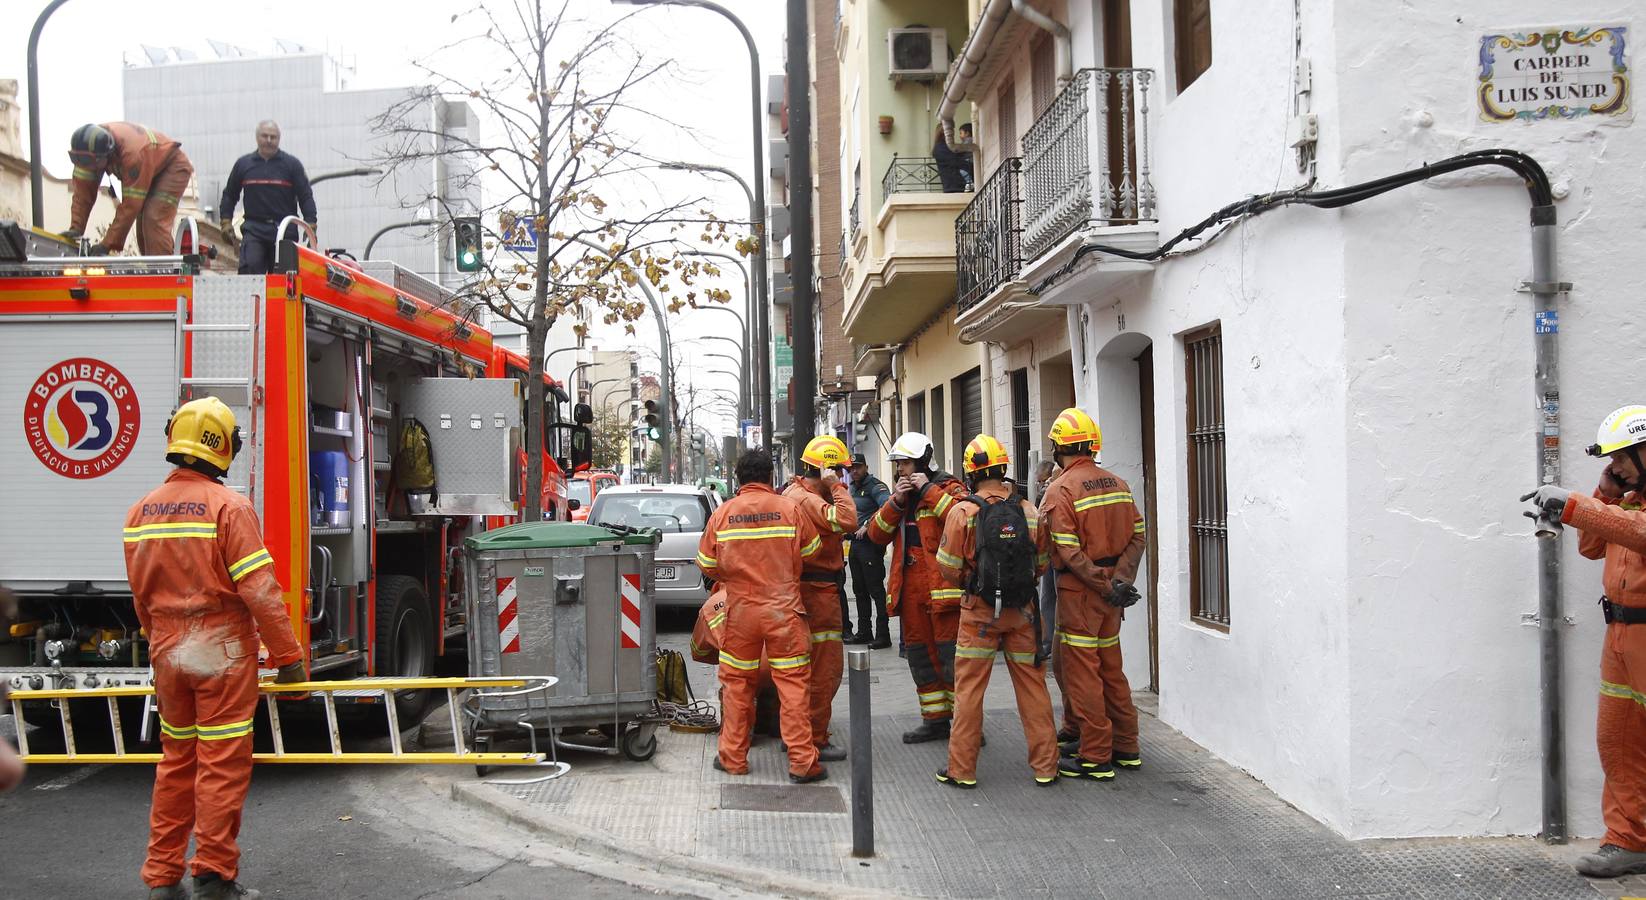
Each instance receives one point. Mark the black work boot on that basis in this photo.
(831, 752)
(882, 634)
(169, 892)
(1076, 767)
(943, 777)
(818, 773)
(929, 730)
(212, 887)
(1128, 760)
(1611, 861)
(861, 636)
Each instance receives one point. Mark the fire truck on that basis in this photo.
(326, 364)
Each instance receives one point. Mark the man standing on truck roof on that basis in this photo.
(153, 173)
(276, 187)
(205, 591)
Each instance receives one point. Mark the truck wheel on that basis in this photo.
(405, 640)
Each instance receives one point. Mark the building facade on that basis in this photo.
(330, 128)
(897, 250)
(1327, 413)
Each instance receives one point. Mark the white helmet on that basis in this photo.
(912, 445)
(1624, 428)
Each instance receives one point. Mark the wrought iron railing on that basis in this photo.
(988, 235)
(911, 174)
(854, 216)
(1086, 159)
(840, 261)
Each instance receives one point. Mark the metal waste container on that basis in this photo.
(574, 601)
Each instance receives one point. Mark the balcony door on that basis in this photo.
(1117, 54)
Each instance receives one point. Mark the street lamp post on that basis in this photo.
(37, 186)
(763, 328)
(751, 359)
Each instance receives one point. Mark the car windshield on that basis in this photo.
(665, 512)
(579, 491)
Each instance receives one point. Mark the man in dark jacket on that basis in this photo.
(275, 186)
(867, 559)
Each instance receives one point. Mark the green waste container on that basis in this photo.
(574, 601)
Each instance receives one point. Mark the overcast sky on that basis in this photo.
(87, 43)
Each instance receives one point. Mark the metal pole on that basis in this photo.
(666, 357)
(749, 388)
(344, 173)
(803, 392)
(757, 215)
(388, 228)
(862, 756)
(36, 171)
(1547, 447)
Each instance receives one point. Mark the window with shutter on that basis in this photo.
(1043, 73)
(968, 407)
(1005, 125)
(1192, 22)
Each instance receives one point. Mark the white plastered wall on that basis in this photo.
(1444, 678)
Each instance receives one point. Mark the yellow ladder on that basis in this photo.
(329, 691)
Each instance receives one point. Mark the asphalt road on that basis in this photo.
(309, 831)
(77, 832)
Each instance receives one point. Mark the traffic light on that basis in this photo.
(469, 243)
(652, 431)
(860, 434)
(697, 442)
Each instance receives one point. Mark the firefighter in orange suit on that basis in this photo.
(912, 522)
(205, 592)
(1097, 542)
(754, 546)
(707, 633)
(153, 173)
(1612, 526)
(827, 503)
(998, 614)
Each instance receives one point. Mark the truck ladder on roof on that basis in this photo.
(224, 331)
(329, 691)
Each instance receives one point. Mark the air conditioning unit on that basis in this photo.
(917, 53)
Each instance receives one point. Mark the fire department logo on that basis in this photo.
(81, 418)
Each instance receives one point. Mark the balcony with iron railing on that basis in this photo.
(1086, 161)
(992, 299)
(988, 236)
(903, 263)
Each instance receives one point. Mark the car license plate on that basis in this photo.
(663, 573)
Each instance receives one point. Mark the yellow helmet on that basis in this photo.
(826, 452)
(1073, 426)
(1624, 428)
(984, 452)
(204, 430)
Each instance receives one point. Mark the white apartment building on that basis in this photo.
(1329, 413)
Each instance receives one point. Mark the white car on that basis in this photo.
(680, 512)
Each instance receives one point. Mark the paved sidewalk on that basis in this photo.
(1186, 825)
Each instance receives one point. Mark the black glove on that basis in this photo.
(290, 674)
(98, 250)
(1123, 594)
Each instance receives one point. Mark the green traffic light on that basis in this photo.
(653, 433)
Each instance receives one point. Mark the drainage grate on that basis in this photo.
(796, 798)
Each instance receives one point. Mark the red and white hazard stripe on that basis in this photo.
(508, 616)
(628, 618)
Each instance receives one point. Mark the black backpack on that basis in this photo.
(1003, 574)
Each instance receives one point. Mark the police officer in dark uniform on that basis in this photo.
(275, 186)
(867, 560)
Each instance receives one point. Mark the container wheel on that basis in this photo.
(405, 640)
(639, 742)
(482, 745)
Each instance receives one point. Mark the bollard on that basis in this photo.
(857, 661)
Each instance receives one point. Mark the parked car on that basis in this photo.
(680, 512)
(584, 487)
